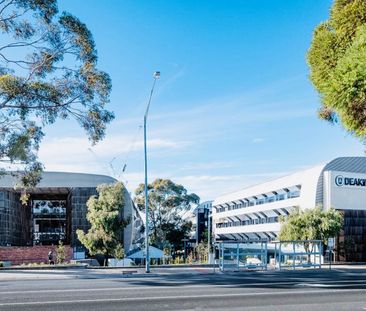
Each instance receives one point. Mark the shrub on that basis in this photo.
(60, 253)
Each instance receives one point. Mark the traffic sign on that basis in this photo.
(330, 243)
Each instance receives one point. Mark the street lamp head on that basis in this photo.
(156, 74)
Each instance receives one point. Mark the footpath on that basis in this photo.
(59, 273)
(95, 273)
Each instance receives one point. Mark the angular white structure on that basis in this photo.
(253, 213)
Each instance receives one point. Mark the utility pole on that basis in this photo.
(156, 76)
(209, 234)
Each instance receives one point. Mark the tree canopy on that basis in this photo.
(167, 203)
(311, 224)
(337, 60)
(48, 71)
(105, 215)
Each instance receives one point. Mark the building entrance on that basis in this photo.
(49, 221)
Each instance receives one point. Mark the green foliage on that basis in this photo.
(172, 233)
(311, 224)
(47, 72)
(167, 251)
(204, 241)
(337, 59)
(105, 215)
(190, 258)
(167, 202)
(202, 252)
(60, 253)
(119, 252)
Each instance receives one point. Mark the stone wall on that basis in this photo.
(30, 254)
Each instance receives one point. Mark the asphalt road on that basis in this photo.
(341, 289)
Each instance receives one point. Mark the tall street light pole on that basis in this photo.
(209, 234)
(156, 76)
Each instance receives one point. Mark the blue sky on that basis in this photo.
(233, 107)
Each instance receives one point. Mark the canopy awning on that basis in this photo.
(153, 253)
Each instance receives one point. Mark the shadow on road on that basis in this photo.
(260, 279)
(175, 278)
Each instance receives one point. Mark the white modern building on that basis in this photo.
(253, 213)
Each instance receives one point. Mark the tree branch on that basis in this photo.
(6, 6)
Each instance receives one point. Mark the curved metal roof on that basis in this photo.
(347, 164)
(311, 181)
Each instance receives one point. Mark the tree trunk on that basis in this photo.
(307, 249)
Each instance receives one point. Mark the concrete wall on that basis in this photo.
(342, 192)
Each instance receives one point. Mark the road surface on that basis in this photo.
(195, 289)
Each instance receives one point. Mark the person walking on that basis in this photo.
(50, 257)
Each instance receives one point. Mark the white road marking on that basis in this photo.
(110, 289)
(176, 297)
(321, 285)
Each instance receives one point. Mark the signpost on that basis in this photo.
(185, 240)
(330, 251)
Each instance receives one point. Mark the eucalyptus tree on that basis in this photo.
(311, 224)
(105, 215)
(48, 71)
(168, 203)
(337, 60)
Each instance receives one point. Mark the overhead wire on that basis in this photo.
(129, 151)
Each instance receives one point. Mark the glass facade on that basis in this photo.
(351, 242)
(78, 198)
(248, 222)
(261, 199)
(49, 217)
(14, 220)
(49, 221)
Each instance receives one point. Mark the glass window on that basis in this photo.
(270, 199)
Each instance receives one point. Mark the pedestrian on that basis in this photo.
(50, 257)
